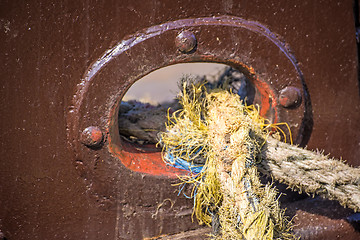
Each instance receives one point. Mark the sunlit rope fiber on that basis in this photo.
(223, 144)
(219, 140)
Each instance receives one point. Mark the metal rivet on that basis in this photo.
(92, 136)
(290, 97)
(185, 41)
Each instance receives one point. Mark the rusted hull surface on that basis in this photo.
(54, 187)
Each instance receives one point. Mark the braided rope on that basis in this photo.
(224, 140)
(312, 172)
(249, 210)
(301, 169)
(216, 130)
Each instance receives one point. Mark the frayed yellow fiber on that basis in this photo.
(216, 130)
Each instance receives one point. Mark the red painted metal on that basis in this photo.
(145, 159)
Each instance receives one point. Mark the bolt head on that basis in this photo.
(92, 137)
(290, 97)
(185, 41)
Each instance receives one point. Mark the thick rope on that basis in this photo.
(216, 130)
(302, 170)
(248, 209)
(224, 144)
(312, 172)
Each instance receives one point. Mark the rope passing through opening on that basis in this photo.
(224, 143)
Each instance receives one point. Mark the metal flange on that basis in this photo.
(245, 45)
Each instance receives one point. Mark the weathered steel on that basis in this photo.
(185, 41)
(290, 97)
(92, 137)
(65, 66)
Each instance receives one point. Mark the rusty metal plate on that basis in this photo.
(49, 53)
(246, 45)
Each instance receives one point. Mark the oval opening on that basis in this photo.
(144, 108)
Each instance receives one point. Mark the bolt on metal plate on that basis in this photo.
(92, 137)
(186, 41)
(290, 97)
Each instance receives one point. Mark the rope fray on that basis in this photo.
(224, 143)
(216, 131)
